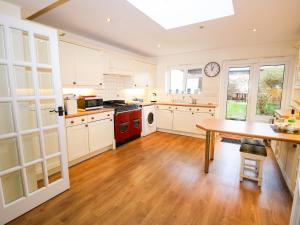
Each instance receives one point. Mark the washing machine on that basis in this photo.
(149, 120)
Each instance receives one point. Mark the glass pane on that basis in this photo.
(54, 169)
(42, 49)
(35, 177)
(31, 147)
(27, 115)
(8, 153)
(51, 141)
(45, 82)
(177, 81)
(48, 118)
(193, 85)
(4, 85)
(20, 45)
(12, 186)
(24, 80)
(6, 118)
(269, 89)
(237, 93)
(2, 44)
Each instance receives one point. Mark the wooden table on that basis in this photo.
(240, 128)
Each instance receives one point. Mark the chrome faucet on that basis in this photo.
(194, 100)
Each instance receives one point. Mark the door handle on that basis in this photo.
(60, 110)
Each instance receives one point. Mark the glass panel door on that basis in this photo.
(33, 160)
(270, 86)
(237, 93)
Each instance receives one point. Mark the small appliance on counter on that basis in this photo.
(70, 102)
(90, 102)
(153, 97)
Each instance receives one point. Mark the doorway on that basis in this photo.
(255, 90)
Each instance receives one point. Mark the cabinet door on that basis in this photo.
(183, 121)
(291, 164)
(67, 63)
(101, 134)
(282, 155)
(200, 116)
(164, 119)
(89, 67)
(77, 139)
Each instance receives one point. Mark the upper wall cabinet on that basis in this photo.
(80, 65)
(119, 65)
(143, 74)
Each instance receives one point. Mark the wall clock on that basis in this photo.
(212, 69)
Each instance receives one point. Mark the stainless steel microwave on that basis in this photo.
(89, 102)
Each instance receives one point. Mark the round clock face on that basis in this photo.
(212, 69)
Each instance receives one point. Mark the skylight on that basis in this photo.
(177, 13)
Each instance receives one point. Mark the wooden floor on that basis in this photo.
(159, 180)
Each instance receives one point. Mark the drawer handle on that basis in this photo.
(74, 82)
(72, 121)
(86, 125)
(93, 118)
(108, 114)
(110, 119)
(197, 109)
(190, 109)
(209, 110)
(192, 113)
(82, 120)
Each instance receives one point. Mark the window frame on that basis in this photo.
(186, 76)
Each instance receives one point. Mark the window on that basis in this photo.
(185, 81)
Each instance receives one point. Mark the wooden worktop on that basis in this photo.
(89, 112)
(205, 105)
(248, 129)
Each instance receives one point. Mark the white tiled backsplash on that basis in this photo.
(114, 86)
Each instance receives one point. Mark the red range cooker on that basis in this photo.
(128, 120)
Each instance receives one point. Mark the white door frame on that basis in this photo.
(254, 65)
(30, 200)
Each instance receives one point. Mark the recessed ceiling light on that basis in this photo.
(254, 30)
(158, 45)
(108, 19)
(176, 13)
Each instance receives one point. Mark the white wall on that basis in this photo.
(10, 9)
(211, 86)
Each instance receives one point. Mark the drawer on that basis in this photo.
(76, 121)
(169, 107)
(99, 116)
(203, 109)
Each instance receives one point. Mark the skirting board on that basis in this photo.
(181, 133)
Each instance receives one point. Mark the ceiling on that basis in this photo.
(274, 21)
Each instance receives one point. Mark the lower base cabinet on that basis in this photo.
(287, 156)
(86, 136)
(182, 119)
(100, 134)
(78, 143)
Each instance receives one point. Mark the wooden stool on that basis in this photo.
(256, 153)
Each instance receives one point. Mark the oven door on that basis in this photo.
(122, 123)
(135, 122)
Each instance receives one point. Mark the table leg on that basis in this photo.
(212, 145)
(207, 149)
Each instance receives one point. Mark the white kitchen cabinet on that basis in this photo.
(78, 142)
(81, 66)
(183, 121)
(101, 134)
(89, 134)
(164, 119)
(67, 63)
(143, 74)
(119, 65)
(196, 119)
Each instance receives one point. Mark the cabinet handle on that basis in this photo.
(100, 84)
(176, 108)
(190, 109)
(209, 110)
(72, 121)
(192, 113)
(86, 125)
(294, 146)
(197, 109)
(110, 119)
(82, 120)
(108, 114)
(93, 118)
(74, 82)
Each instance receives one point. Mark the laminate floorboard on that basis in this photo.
(159, 180)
